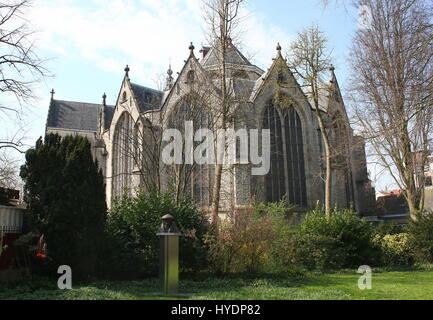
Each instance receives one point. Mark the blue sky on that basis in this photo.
(89, 42)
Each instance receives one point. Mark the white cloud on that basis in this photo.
(144, 34)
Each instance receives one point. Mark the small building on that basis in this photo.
(391, 207)
(11, 224)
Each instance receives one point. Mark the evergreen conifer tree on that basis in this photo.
(64, 191)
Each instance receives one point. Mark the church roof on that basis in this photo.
(233, 56)
(109, 112)
(243, 88)
(147, 99)
(76, 115)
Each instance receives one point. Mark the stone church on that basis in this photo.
(126, 137)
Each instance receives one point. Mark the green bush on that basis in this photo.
(395, 249)
(133, 247)
(343, 241)
(382, 229)
(421, 238)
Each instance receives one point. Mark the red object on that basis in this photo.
(41, 256)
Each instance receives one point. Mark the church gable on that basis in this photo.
(135, 99)
(192, 79)
(278, 79)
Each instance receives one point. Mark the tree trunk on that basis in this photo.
(216, 193)
(328, 178)
(328, 182)
(414, 204)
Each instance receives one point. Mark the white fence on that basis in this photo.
(11, 219)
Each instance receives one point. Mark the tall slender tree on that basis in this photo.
(223, 17)
(310, 60)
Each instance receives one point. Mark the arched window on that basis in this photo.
(295, 158)
(195, 179)
(275, 180)
(123, 148)
(286, 177)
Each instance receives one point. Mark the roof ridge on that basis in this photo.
(92, 103)
(148, 88)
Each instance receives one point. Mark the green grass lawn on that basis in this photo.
(415, 284)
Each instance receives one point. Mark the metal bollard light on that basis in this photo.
(169, 255)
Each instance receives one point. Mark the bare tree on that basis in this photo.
(392, 85)
(327, 3)
(20, 65)
(223, 17)
(310, 60)
(9, 169)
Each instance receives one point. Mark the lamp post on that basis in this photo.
(169, 255)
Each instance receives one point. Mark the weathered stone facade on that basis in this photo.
(123, 135)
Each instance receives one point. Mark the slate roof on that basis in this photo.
(233, 56)
(243, 87)
(147, 99)
(76, 115)
(109, 112)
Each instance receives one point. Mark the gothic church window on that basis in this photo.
(195, 179)
(123, 155)
(295, 158)
(287, 171)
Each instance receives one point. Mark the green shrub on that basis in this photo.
(395, 249)
(382, 229)
(343, 241)
(133, 249)
(421, 238)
